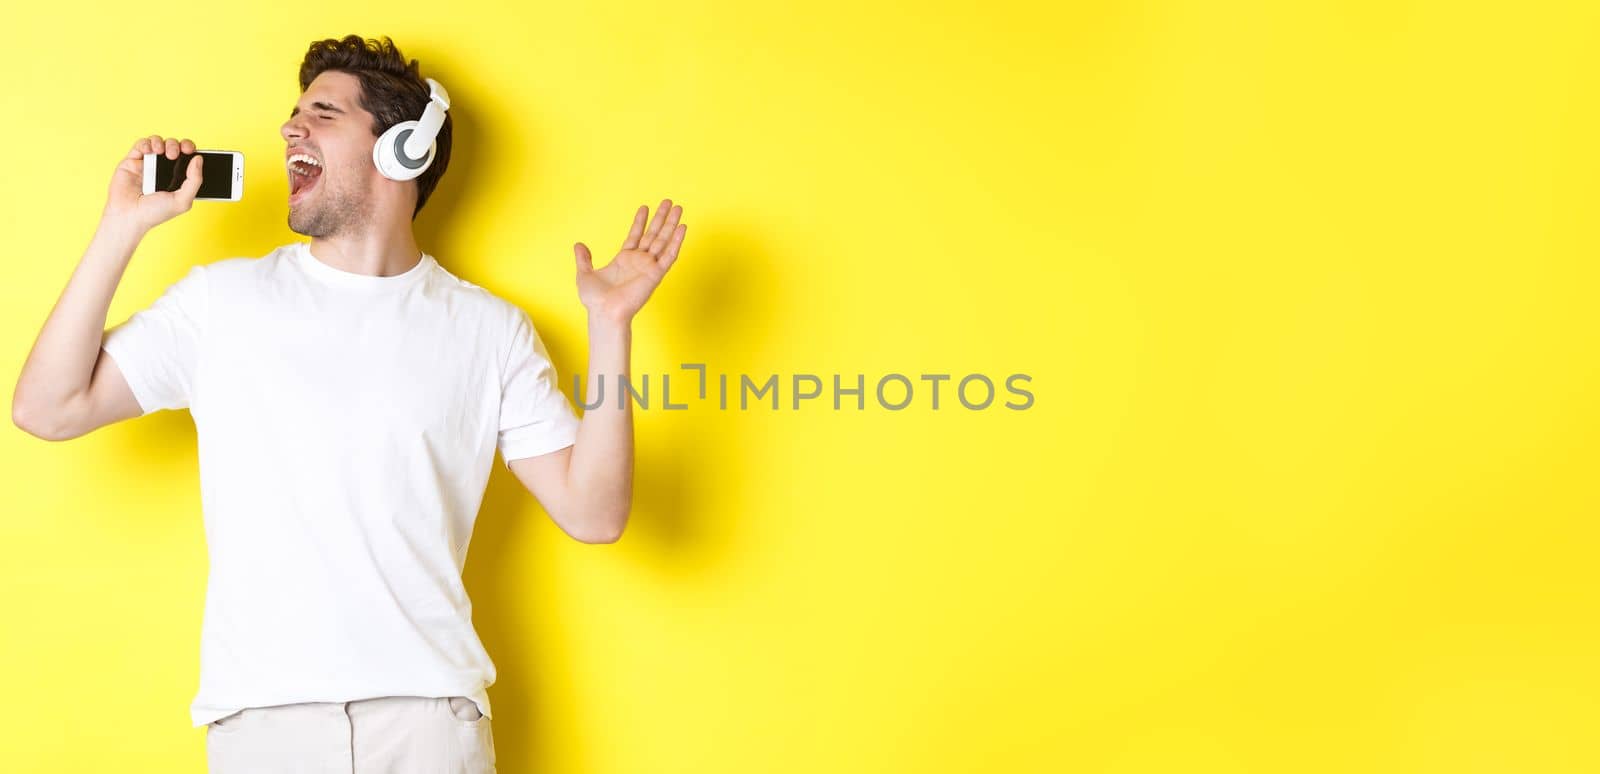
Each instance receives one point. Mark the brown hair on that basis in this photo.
(392, 90)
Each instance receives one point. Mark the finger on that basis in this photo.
(580, 251)
(172, 148)
(191, 183)
(670, 254)
(666, 231)
(155, 146)
(638, 228)
(655, 224)
(187, 146)
(134, 167)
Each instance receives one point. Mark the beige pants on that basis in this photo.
(388, 734)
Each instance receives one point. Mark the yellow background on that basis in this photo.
(1306, 291)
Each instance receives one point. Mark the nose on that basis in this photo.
(293, 129)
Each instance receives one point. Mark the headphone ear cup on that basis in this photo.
(389, 154)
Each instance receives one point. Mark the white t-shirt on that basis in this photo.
(347, 425)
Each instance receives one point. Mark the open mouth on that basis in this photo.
(304, 171)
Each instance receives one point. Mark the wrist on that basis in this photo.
(120, 229)
(609, 321)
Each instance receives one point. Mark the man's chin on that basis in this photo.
(326, 217)
(302, 225)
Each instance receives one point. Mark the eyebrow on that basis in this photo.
(317, 106)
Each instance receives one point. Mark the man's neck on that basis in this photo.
(376, 251)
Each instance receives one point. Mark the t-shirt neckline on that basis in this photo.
(337, 276)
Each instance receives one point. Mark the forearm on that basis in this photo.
(63, 357)
(600, 479)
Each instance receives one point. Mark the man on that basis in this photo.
(348, 396)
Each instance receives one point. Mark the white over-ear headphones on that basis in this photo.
(406, 149)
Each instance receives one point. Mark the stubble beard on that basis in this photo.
(334, 212)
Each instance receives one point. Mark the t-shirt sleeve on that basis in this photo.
(157, 349)
(535, 416)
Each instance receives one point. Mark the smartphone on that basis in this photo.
(221, 174)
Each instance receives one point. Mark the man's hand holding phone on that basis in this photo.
(127, 206)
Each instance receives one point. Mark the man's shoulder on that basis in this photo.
(480, 295)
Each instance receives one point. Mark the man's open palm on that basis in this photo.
(619, 289)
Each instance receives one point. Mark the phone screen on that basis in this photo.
(216, 176)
